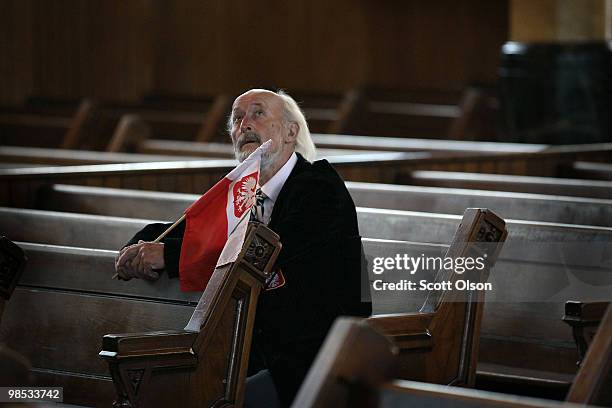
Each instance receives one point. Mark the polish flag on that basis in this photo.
(217, 222)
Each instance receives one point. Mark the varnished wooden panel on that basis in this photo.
(63, 331)
(79, 389)
(16, 62)
(97, 48)
(123, 50)
(86, 270)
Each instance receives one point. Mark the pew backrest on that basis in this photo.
(514, 183)
(520, 206)
(337, 379)
(593, 382)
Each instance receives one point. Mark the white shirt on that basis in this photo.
(273, 187)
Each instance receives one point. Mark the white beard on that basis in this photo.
(267, 159)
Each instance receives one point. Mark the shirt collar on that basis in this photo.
(273, 187)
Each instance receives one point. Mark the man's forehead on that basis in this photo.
(263, 98)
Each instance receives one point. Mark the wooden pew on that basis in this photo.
(587, 170)
(337, 379)
(593, 383)
(207, 360)
(61, 128)
(516, 320)
(169, 116)
(67, 301)
(352, 143)
(373, 223)
(165, 123)
(40, 157)
(521, 184)
(65, 289)
(66, 157)
(411, 144)
(452, 319)
(127, 203)
(17, 187)
(95, 121)
(70, 229)
(396, 113)
(440, 342)
(221, 150)
(521, 206)
(35, 130)
(584, 319)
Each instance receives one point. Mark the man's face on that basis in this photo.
(257, 116)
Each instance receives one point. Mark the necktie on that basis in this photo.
(257, 210)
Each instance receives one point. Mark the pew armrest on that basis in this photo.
(172, 343)
(584, 318)
(134, 357)
(405, 330)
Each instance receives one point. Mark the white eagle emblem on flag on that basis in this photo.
(244, 194)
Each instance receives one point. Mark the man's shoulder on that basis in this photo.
(317, 181)
(320, 173)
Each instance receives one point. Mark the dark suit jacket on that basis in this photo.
(321, 260)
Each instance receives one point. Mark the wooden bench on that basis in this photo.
(222, 150)
(18, 185)
(18, 128)
(510, 323)
(66, 157)
(64, 305)
(396, 113)
(351, 143)
(593, 383)
(337, 379)
(584, 319)
(587, 170)
(163, 119)
(499, 182)
(55, 129)
(56, 278)
(411, 144)
(127, 203)
(452, 320)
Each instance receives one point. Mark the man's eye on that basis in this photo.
(259, 113)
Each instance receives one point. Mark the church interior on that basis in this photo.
(460, 128)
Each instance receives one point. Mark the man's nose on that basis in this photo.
(245, 125)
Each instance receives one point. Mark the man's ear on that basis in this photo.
(294, 129)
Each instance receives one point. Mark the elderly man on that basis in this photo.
(308, 205)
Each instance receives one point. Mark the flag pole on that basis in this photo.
(161, 236)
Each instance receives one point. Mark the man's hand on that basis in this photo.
(139, 260)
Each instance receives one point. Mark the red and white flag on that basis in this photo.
(217, 222)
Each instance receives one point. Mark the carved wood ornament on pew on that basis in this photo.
(205, 364)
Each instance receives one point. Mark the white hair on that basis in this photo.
(292, 113)
(303, 143)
